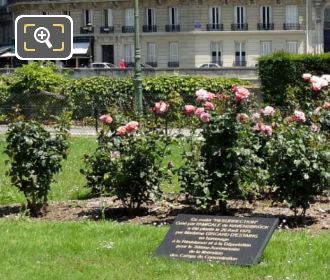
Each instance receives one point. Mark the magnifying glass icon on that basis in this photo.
(41, 35)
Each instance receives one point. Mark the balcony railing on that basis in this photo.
(152, 63)
(265, 26)
(127, 29)
(173, 64)
(291, 26)
(240, 62)
(214, 27)
(87, 29)
(172, 28)
(107, 29)
(239, 26)
(149, 28)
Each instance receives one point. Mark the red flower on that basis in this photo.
(106, 119)
(189, 110)
(121, 131)
(132, 127)
(209, 106)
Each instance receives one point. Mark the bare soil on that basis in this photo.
(163, 212)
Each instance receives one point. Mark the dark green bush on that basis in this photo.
(280, 71)
(35, 156)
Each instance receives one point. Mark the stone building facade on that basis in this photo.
(188, 33)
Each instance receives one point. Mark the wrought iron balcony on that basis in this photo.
(172, 28)
(87, 29)
(239, 26)
(149, 28)
(265, 26)
(152, 63)
(240, 62)
(127, 29)
(291, 26)
(107, 29)
(214, 27)
(173, 64)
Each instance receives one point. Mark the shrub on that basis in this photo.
(227, 164)
(299, 164)
(35, 156)
(281, 71)
(36, 89)
(127, 164)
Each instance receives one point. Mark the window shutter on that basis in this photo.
(129, 17)
(110, 20)
(291, 14)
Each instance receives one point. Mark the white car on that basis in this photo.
(209, 65)
(104, 65)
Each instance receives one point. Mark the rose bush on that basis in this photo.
(128, 162)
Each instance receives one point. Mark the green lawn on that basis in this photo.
(106, 250)
(69, 183)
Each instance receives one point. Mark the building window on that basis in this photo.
(240, 54)
(216, 53)
(129, 54)
(173, 16)
(291, 18)
(3, 2)
(151, 54)
(107, 17)
(291, 14)
(266, 18)
(88, 17)
(292, 46)
(129, 17)
(214, 15)
(173, 55)
(265, 47)
(66, 13)
(151, 17)
(240, 14)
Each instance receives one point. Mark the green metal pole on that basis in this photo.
(137, 60)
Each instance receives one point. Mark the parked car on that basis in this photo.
(209, 65)
(104, 65)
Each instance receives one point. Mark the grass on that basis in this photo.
(106, 250)
(69, 183)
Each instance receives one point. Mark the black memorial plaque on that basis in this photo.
(232, 240)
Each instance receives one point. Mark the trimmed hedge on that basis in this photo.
(106, 92)
(281, 70)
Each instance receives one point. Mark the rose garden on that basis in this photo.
(98, 206)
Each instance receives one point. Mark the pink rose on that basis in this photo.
(106, 119)
(241, 94)
(199, 111)
(255, 117)
(326, 105)
(132, 127)
(242, 118)
(209, 106)
(315, 79)
(263, 129)
(189, 110)
(267, 130)
(314, 128)
(324, 83)
(202, 95)
(317, 110)
(268, 111)
(299, 116)
(121, 131)
(160, 107)
(205, 117)
(316, 86)
(326, 77)
(307, 76)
